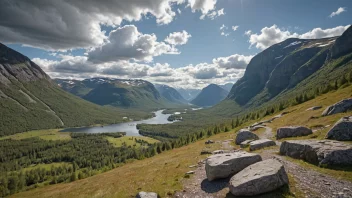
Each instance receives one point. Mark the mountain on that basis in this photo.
(30, 100)
(210, 95)
(227, 86)
(115, 92)
(170, 94)
(294, 67)
(188, 94)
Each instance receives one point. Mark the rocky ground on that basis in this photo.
(310, 183)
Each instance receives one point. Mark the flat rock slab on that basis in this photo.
(146, 195)
(225, 165)
(323, 152)
(339, 107)
(258, 178)
(342, 130)
(314, 108)
(245, 144)
(292, 131)
(243, 135)
(259, 144)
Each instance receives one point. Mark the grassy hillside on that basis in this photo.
(164, 173)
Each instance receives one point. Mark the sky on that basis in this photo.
(181, 43)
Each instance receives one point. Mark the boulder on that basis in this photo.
(342, 130)
(243, 135)
(323, 152)
(209, 142)
(245, 143)
(258, 178)
(314, 108)
(220, 152)
(146, 195)
(225, 165)
(292, 131)
(340, 107)
(205, 152)
(259, 144)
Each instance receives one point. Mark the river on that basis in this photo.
(129, 127)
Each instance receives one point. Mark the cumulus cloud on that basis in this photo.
(178, 38)
(234, 28)
(65, 25)
(272, 35)
(221, 70)
(126, 43)
(213, 14)
(235, 61)
(337, 12)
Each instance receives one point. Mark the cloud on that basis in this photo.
(234, 28)
(320, 33)
(235, 61)
(272, 35)
(221, 70)
(178, 38)
(337, 12)
(223, 27)
(127, 43)
(65, 25)
(214, 14)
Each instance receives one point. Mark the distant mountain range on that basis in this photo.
(30, 100)
(188, 94)
(170, 94)
(227, 86)
(210, 96)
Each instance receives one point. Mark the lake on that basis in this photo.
(129, 127)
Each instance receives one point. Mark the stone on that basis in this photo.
(314, 108)
(342, 130)
(192, 166)
(190, 172)
(340, 107)
(146, 195)
(292, 131)
(243, 135)
(245, 143)
(259, 144)
(205, 152)
(322, 153)
(209, 142)
(225, 165)
(258, 178)
(219, 152)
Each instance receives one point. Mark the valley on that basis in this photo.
(97, 101)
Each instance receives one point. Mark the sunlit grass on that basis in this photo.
(46, 134)
(130, 140)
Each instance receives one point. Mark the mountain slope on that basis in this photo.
(170, 94)
(188, 94)
(116, 92)
(227, 86)
(289, 69)
(210, 95)
(30, 100)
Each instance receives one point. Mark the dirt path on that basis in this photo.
(311, 183)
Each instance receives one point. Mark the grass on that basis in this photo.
(130, 140)
(298, 115)
(46, 134)
(165, 172)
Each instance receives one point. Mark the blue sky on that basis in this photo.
(292, 19)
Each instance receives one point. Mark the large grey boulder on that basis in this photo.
(259, 144)
(342, 130)
(243, 135)
(146, 195)
(258, 178)
(342, 106)
(292, 131)
(225, 165)
(323, 152)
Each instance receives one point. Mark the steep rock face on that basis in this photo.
(210, 95)
(259, 69)
(343, 44)
(280, 67)
(170, 94)
(15, 66)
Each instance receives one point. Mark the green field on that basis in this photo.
(130, 141)
(46, 134)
